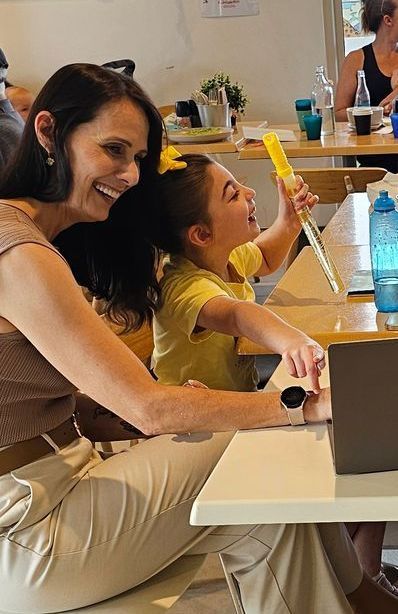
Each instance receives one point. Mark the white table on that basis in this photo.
(286, 474)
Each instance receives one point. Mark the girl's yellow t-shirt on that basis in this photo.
(210, 357)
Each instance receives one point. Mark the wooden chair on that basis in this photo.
(332, 186)
(166, 110)
(138, 341)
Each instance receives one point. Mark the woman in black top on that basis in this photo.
(379, 60)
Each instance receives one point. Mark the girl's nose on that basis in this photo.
(250, 193)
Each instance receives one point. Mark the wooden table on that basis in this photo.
(286, 474)
(304, 299)
(344, 142)
(350, 224)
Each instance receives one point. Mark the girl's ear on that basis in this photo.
(387, 20)
(199, 235)
(44, 127)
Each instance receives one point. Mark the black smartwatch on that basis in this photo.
(293, 399)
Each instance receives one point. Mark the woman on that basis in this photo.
(379, 60)
(76, 529)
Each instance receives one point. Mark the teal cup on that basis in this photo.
(303, 108)
(313, 125)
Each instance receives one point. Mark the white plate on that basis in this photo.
(199, 135)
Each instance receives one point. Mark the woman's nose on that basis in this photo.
(130, 173)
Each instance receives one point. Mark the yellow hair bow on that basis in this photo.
(168, 160)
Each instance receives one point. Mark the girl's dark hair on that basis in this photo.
(181, 201)
(373, 11)
(113, 259)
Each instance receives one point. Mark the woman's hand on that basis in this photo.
(302, 198)
(386, 103)
(304, 357)
(317, 408)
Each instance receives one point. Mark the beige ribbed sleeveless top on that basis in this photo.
(34, 396)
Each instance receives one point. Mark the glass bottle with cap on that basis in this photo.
(322, 101)
(362, 96)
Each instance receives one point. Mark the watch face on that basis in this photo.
(293, 396)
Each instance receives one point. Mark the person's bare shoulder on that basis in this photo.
(354, 59)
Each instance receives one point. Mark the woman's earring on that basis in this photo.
(50, 160)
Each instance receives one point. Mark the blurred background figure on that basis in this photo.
(379, 60)
(11, 123)
(20, 98)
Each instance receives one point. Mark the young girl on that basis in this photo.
(207, 223)
(208, 226)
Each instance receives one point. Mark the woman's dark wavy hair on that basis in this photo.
(181, 202)
(114, 259)
(372, 13)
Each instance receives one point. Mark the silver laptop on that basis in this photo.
(364, 392)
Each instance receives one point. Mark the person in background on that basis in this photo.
(11, 124)
(20, 98)
(206, 221)
(77, 528)
(379, 60)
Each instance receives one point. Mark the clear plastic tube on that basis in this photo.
(310, 227)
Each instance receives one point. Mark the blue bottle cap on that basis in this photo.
(303, 104)
(384, 202)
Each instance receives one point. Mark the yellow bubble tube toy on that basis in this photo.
(285, 172)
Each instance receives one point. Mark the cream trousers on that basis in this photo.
(76, 529)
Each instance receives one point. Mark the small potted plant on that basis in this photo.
(236, 95)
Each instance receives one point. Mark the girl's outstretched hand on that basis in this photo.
(303, 198)
(304, 357)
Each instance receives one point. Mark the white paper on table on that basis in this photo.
(389, 183)
(255, 133)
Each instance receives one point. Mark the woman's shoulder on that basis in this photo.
(16, 227)
(355, 57)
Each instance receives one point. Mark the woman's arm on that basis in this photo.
(100, 424)
(276, 241)
(347, 84)
(40, 297)
(301, 355)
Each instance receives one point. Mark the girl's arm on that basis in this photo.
(276, 241)
(301, 355)
(40, 297)
(347, 84)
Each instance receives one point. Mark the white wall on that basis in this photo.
(274, 54)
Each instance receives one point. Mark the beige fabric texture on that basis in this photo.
(76, 529)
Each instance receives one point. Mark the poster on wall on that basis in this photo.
(229, 8)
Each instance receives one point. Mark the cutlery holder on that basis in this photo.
(214, 115)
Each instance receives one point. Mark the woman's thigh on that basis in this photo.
(126, 519)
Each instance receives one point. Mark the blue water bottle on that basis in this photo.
(384, 252)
